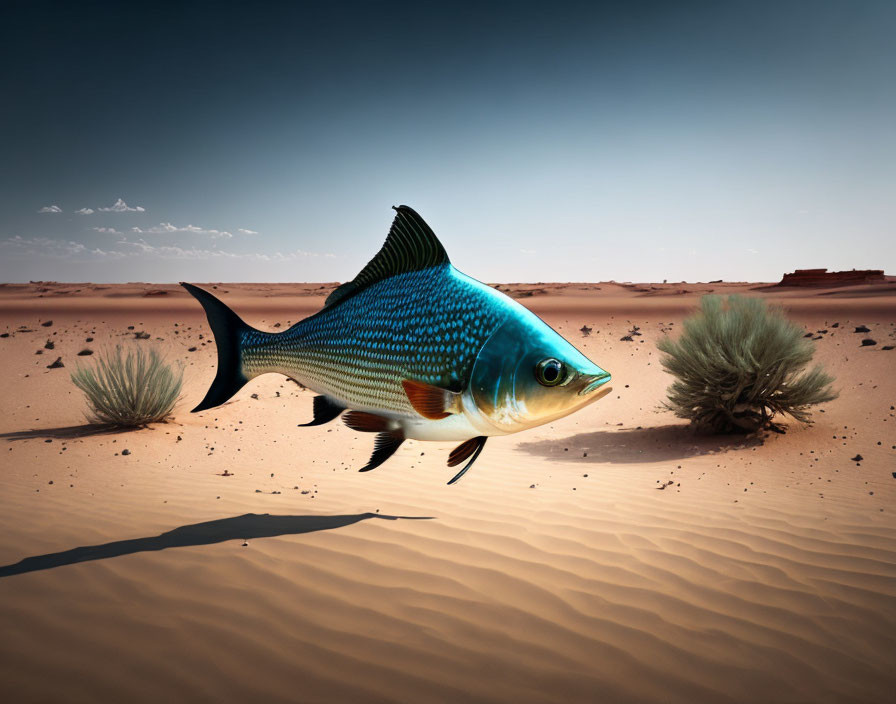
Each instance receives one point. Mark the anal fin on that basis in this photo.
(383, 448)
(325, 410)
(471, 448)
(365, 422)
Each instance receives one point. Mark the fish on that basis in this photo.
(412, 348)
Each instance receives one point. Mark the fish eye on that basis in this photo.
(550, 372)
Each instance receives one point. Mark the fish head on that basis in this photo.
(527, 374)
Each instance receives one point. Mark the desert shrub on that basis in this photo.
(738, 365)
(129, 388)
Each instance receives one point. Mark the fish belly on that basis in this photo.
(456, 427)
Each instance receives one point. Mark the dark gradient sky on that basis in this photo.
(552, 141)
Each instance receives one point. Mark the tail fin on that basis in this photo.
(227, 328)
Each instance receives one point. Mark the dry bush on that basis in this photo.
(738, 365)
(129, 388)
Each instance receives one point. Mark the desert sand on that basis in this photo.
(613, 556)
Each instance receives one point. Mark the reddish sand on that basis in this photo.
(555, 571)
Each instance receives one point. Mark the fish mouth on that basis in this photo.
(594, 382)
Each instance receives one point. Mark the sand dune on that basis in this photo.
(556, 571)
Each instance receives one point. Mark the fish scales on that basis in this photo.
(424, 325)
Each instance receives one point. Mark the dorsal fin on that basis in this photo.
(410, 246)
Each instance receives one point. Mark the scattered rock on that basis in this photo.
(585, 330)
(868, 342)
(125, 452)
(47, 323)
(857, 458)
(862, 328)
(887, 347)
(255, 396)
(88, 339)
(85, 353)
(57, 364)
(192, 349)
(626, 338)
(50, 345)
(141, 335)
(4, 334)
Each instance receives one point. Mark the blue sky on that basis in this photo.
(545, 142)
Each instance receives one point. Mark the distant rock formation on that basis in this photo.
(823, 277)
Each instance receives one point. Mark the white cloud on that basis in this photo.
(165, 228)
(106, 230)
(243, 231)
(175, 252)
(121, 207)
(85, 211)
(528, 251)
(68, 249)
(54, 248)
(50, 209)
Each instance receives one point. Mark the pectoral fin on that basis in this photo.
(325, 410)
(430, 401)
(471, 448)
(383, 448)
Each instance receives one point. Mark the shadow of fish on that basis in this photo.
(413, 348)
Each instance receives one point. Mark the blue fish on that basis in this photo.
(413, 348)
